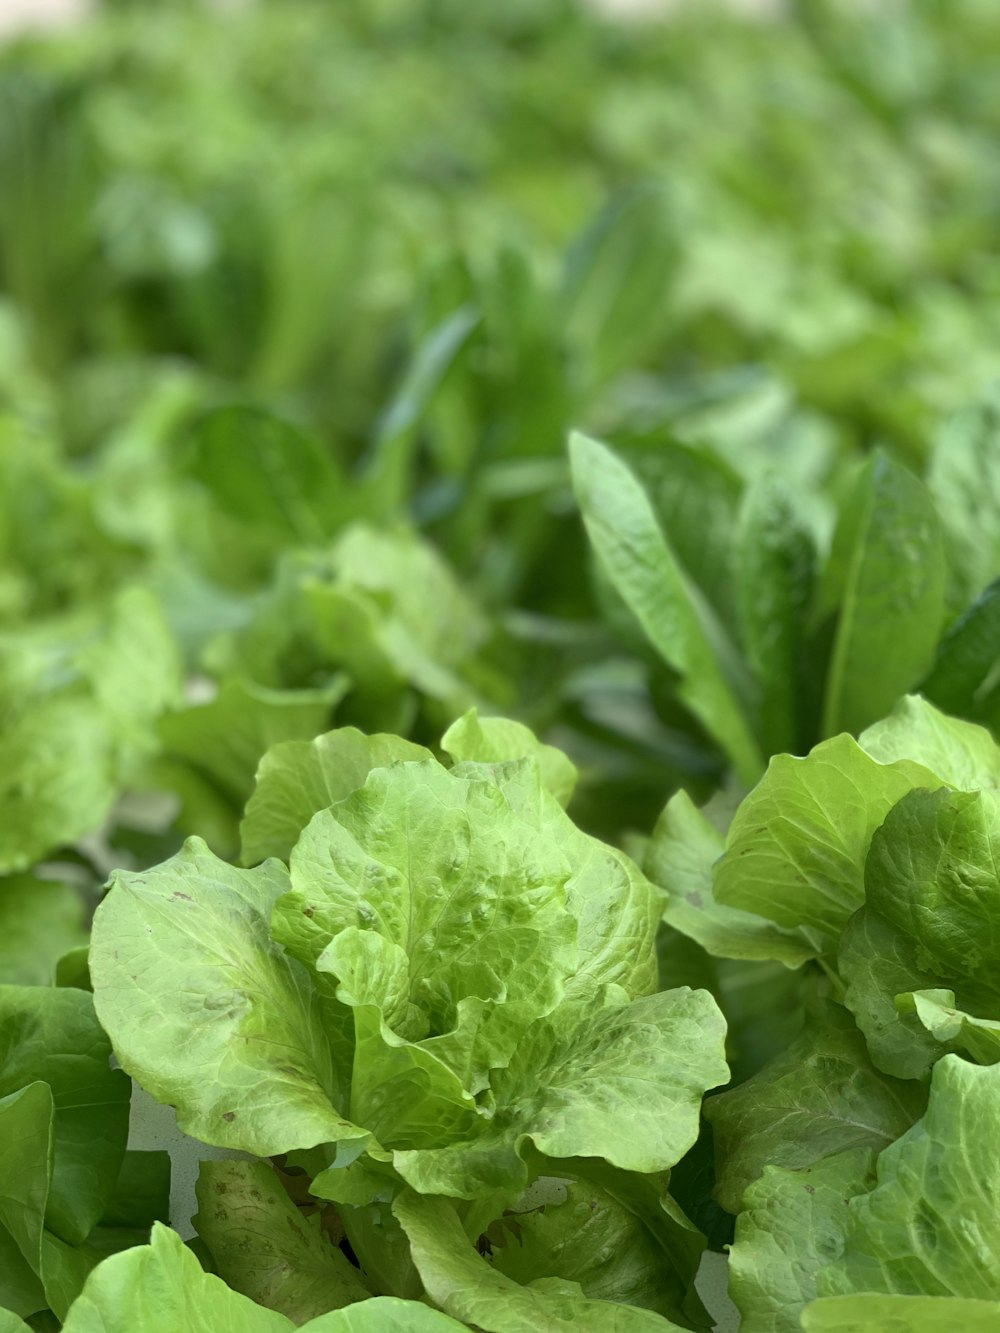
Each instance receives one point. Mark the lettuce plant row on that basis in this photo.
(499, 613)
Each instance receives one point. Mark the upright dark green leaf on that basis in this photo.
(888, 561)
(266, 474)
(774, 563)
(962, 679)
(52, 1035)
(635, 555)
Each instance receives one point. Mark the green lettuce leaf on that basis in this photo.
(575, 1229)
(887, 567)
(964, 476)
(959, 753)
(796, 848)
(873, 1313)
(387, 609)
(773, 564)
(297, 778)
(467, 1287)
(207, 1012)
(624, 1082)
(931, 921)
(930, 1226)
(161, 1288)
(634, 554)
(40, 920)
(56, 778)
(40, 1269)
(438, 901)
(225, 738)
(821, 1097)
(793, 1223)
(680, 857)
(496, 740)
(263, 473)
(53, 1036)
(937, 1011)
(462, 905)
(266, 1248)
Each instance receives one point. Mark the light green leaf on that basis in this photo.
(932, 921)
(872, 1313)
(207, 1012)
(266, 1248)
(40, 920)
(624, 1082)
(958, 753)
(796, 848)
(295, 779)
(10, 1323)
(931, 1226)
(496, 740)
(387, 608)
(225, 739)
(467, 1287)
(634, 554)
(935, 1009)
(792, 1224)
(53, 1036)
(467, 894)
(821, 1097)
(629, 250)
(680, 857)
(56, 778)
(384, 1314)
(696, 499)
(889, 552)
(134, 668)
(161, 1288)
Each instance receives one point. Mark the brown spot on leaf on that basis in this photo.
(186, 896)
(229, 1115)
